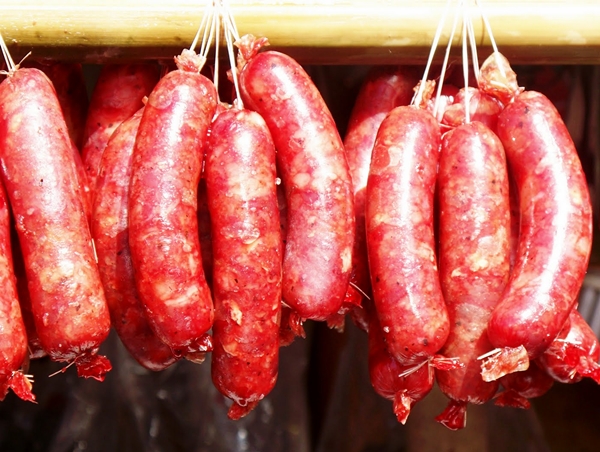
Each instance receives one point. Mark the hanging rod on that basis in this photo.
(314, 32)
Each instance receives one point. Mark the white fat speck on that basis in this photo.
(456, 272)
(346, 259)
(236, 315)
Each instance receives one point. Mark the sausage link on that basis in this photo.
(574, 354)
(310, 156)
(69, 82)
(117, 95)
(13, 335)
(68, 303)
(110, 231)
(384, 88)
(474, 239)
(163, 223)
(519, 387)
(67, 79)
(400, 236)
(404, 385)
(555, 226)
(241, 188)
(34, 345)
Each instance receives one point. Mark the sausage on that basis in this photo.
(111, 236)
(555, 234)
(117, 95)
(67, 79)
(13, 335)
(69, 82)
(474, 239)
(290, 325)
(574, 354)
(163, 224)
(400, 236)
(519, 387)
(70, 311)
(241, 188)
(34, 346)
(404, 385)
(384, 88)
(313, 167)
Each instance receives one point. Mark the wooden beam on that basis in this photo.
(314, 32)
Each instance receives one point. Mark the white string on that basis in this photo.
(229, 20)
(419, 95)
(492, 40)
(475, 58)
(231, 35)
(209, 33)
(202, 27)
(445, 62)
(465, 64)
(7, 57)
(218, 17)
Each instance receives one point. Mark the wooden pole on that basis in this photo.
(313, 31)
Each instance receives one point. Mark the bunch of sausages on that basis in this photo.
(457, 237)
(474, 232)
(162, 216)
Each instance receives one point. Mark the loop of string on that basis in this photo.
(468, 40)
(218, 23)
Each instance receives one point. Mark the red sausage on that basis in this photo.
(400, 236)
(68, 303)
(474, 238)
(242, 199)
(404, 385)
(521, 386)
(34, 345)
(69, 83)
(384, 88)
(111, 235)
(313, 167)
(555, 230)
(13, 336)
(290, 325)
(574, 354)
(117, 95)
(163, 224)
(83, 182)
